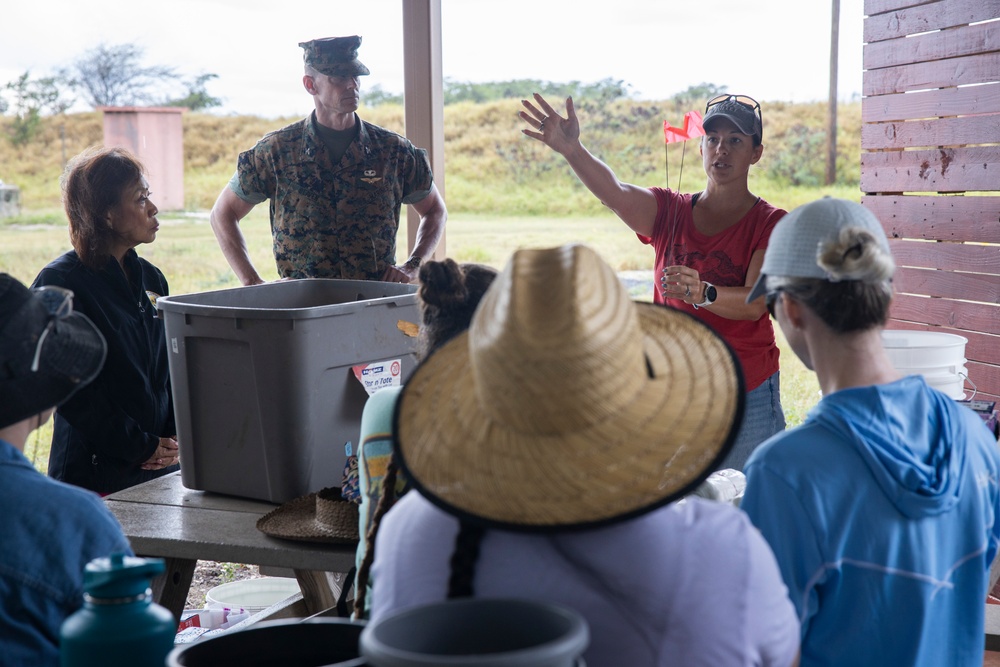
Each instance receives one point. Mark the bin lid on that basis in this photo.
(291, 299)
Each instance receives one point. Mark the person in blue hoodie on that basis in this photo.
(882, 507)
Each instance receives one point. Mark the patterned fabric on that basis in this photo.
(374, 455)
(349, 484)
(334, 220)
(334, 56)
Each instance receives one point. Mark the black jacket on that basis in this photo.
(113, 425)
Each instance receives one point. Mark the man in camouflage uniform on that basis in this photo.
(336, 185)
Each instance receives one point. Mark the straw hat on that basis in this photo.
(566, 404)
(323, 516)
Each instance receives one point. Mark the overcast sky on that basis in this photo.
(769, 49)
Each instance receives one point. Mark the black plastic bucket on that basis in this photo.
(321, 642)
(478, 633)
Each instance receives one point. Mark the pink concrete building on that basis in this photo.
(156, 136)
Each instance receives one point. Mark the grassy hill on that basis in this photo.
(503, 191)
(491, 167)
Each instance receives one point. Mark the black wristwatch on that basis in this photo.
(711, 294)
(413, 262)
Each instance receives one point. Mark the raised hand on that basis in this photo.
(546, 125)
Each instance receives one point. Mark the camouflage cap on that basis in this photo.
(334, 56)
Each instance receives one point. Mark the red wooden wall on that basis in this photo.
(930, 166)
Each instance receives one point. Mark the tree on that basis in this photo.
(798, 160)
(699, 93)
(31, 97)
(114, 76)
(376, 96)
(603, 91)
(197, 98)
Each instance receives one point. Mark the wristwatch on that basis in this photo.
(711, 294)
(413, 262)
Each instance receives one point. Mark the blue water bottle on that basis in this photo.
(119, 625)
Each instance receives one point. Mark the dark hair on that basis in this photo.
(463, 561)
(449, 294)
(858, 294)
(92, 186)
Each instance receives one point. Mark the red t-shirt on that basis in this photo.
(722, 260)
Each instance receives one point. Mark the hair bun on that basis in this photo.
(442, 283)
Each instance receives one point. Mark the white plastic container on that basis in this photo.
(252, 595)
(938, 356)
(952, 384)
(933, 350)
(724, 486)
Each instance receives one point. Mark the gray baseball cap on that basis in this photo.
(742, 114)
(797, 239)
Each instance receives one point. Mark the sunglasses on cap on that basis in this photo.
(769, 300)
(58, 301)
(747, 101)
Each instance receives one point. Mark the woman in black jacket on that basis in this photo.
(119, 430)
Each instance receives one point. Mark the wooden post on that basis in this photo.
(423, 94)
(831, 125)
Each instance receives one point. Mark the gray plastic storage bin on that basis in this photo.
(265, 397)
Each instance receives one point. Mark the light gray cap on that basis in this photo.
(797, 239)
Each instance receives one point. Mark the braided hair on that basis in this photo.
(463, 561)
(449, 294)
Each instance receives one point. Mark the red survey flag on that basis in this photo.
(692, 128)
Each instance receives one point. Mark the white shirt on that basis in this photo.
(692, 583)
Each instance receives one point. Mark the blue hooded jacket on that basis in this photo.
(882, 510)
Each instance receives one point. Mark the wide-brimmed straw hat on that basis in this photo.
(47, 351)
(323, 516)
(566, 404)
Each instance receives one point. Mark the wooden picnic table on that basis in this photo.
(161, 518)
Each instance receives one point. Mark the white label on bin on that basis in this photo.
(173, 345)
(379, 374)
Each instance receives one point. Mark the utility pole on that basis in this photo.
(831, 130)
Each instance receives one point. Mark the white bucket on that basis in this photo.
(938, 356)
(952, 386)
(253, 595)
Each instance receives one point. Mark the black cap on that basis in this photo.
(47, 351)
(742, 115)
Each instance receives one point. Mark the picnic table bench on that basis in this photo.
(161, 518)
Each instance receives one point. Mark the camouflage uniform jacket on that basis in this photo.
(334, 221)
